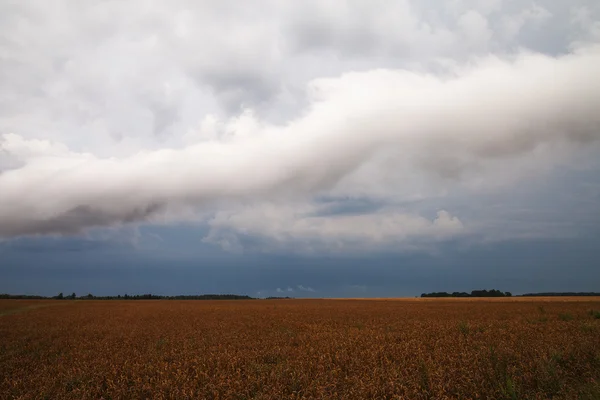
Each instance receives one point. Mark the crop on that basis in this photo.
(293, 349)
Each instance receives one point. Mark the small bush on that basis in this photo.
(588, 328)
(509, 390)
(463, 327)
(541, 309)
(595, 314)
(565, 316)
(424, 378)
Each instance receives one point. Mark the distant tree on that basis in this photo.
(22, 296)
(474, 293)
(147, 296)
(460, 294)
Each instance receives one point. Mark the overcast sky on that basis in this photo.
(314, 148)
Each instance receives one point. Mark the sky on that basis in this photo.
(323, 148)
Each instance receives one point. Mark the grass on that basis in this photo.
(463, 327)
(302, 349)
(424, 380)
(565, 316)
(29, 307)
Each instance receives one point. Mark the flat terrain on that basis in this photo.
(289, 349)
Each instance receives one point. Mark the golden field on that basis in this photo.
(526, 348)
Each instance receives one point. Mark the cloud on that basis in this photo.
(109, 116)
(303, 228)
(305, 288)
(492, 109)
(533, 16)
(475, 29)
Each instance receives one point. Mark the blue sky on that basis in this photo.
(314, 149)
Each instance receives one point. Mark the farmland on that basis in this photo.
(292, 349)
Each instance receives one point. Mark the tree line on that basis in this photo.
(148, 296)
(474, 293)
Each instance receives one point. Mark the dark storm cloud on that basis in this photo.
(76, 219)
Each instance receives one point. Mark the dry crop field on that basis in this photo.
(291, 349)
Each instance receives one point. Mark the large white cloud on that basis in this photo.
(131, 111)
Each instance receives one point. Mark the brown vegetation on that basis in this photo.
(289, 349)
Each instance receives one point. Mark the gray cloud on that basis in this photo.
(112, 116)
(494, 109)
(299, 228)
(73, 221)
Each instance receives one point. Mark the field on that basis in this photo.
(292, 349)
